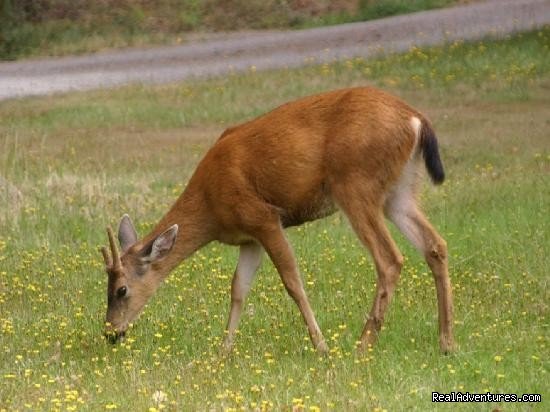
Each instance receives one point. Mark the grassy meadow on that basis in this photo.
(72, 164)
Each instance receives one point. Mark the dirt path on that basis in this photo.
(269, 50)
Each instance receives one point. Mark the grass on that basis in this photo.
(61, 27)
(374, 9)
(77, 162)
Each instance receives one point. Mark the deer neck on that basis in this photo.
(195, 230)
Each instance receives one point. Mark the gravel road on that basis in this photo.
(269, 50)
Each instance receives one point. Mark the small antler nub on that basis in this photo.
(114, 251)
(106, 256)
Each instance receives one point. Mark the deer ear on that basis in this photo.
(127, 235)
(163, 244)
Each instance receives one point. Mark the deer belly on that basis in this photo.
(234, 237)
(312, 209)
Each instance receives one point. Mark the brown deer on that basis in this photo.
(355, 149)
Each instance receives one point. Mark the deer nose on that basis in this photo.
(114, 336)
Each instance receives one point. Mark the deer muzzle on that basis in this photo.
(113, 335)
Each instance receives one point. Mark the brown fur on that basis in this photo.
(346, 148)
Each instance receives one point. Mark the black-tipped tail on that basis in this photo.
(430, 151)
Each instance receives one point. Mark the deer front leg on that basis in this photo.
(280, 252)
(250, 257)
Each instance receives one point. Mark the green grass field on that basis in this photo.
(75, 163)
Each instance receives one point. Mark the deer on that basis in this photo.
(358, 150)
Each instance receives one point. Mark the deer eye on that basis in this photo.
(121, 291)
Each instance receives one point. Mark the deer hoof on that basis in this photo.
(226, 347)
(447, 345)
(322, 348)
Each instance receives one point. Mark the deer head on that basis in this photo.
(133, 276)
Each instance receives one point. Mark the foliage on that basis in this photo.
(53, 27)
(374, 9)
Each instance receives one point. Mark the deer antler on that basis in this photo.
(114, 260)
(106, 257)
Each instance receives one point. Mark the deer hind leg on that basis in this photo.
(280, 252)
(367, 219)
(250, 257)
(388, 261)
(403, 211)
